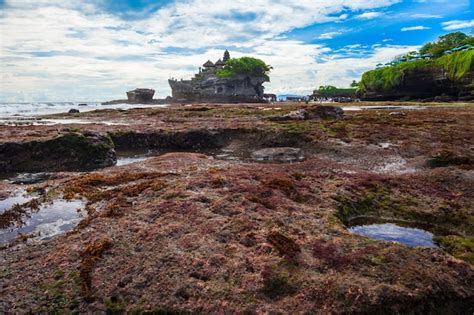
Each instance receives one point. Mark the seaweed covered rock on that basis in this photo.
(315, 112)
(325, 112)
(69, 152)
(447, 158)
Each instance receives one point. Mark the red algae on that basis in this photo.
(186, 233)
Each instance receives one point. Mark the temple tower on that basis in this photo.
(226, 56)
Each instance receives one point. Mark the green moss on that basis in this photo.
(447, 158)
(277, 285)
(294, 127)
(457, 64)
(458, 246)
(114, 307)
(375, 201)
(386, 78)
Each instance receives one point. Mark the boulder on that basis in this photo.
(73, 111)
(140, 95)
(68, 152)
(280, 154)
(325, 112)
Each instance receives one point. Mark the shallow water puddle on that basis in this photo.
(8, 202)
(388, 107)
(125, 158)
(48, 220)
(391, 232)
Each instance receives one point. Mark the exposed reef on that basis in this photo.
(189, 231)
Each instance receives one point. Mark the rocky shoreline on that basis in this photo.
(245, 210)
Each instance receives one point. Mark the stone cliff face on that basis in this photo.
(431, 81)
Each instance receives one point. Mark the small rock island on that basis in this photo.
(214, 84)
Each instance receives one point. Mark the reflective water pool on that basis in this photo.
(394, 233)
(48, 220)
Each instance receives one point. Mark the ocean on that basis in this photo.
(12, 111)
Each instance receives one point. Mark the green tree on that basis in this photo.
(245, 65)
(446, 42)
(354, 84)
(327, 90)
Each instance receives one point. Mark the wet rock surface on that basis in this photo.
(313, 112)
(68, 152)
(189, 232)
(283, 154)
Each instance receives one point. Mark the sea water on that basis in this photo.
(28, 110)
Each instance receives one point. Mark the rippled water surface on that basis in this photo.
(392, 232)
(50, 219)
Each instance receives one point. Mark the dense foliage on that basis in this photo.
(447, 42)
(330, 91)
(245, 65)
(456, 64)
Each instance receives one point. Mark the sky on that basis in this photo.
(84, 50)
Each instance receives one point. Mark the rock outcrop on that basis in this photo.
(140, 95)
(69, 152)
(206, 86)
(448, 78)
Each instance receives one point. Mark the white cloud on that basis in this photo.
(457, 25)
(426, 16)
(329, 35)
(74, 51)
(369, 15)
(415, 28)
(340, 71)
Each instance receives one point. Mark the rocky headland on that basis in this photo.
(244, 209)
(448, 78)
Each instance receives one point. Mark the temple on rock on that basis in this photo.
(207, 86)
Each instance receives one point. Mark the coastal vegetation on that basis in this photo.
(245, 65)
(332, 91)
(447, 42)
(452, 53)
(457, 65)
